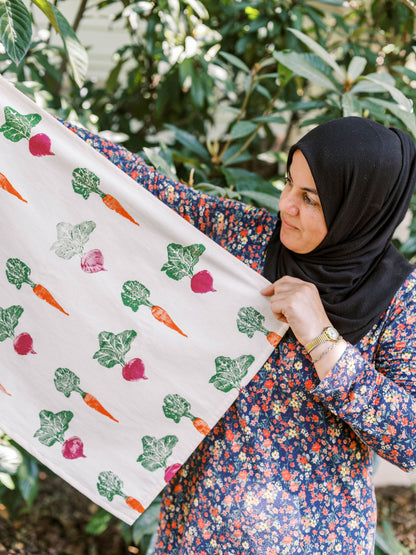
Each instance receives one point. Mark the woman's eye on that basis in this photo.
(308, 200)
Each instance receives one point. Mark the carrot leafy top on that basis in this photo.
(249, 320)
(109, 485)
(176, 407)
(135, 294)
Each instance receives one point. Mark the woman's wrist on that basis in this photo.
(325, 356)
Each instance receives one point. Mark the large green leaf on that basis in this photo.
(356, 67)
(397, 95)
(409, 119)
(300, 66)
(317, 49)
(76, 53)
(190, 141)
(47, 9)
(15, 29)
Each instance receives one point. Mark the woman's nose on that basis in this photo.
(288, 203)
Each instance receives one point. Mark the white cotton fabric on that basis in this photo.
(174, 364)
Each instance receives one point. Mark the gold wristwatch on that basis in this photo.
(328, 334)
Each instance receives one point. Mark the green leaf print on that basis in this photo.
(17, 272)
(113, 347)
(18, 126)
(175, 407)
(66, 381)
(9, 318)
(249, 320)
(181, 260)
(85, 182)
(229, 372)
(53, 426)
(135, 294)
(72, 238)
(109, 485)
(156, 451)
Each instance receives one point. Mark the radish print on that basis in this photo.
(181, 262)
(85, 182)
(7, 186)
(109, 485)
(40, 145)
(9, 319)
(17, 273)
(67, 382)
(135, 294)
(156, 452)
(176, 407)
(229, 372)
(249, 320)
(113, 349)
(52, 429)
(71, 242)
(19, 126)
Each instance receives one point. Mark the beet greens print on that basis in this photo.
(249, 321)
(181, 262)
(156, 452)
(52, 429)
(85, 182)
(109, 485)
(67, 382)
(135, 294)
(176, 407)
(17, 273)
(113, 350)
(18, 126)
(230, 372)
(71, 242)
(9, 319)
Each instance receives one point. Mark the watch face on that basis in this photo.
(332, 333)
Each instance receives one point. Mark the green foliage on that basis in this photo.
(211, 93)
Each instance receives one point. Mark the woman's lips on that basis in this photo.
(288, 226)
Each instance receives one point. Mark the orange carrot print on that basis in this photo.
(67, 382)
(4, 390)
(109, 485)
(7, 186)
(135, 294)
(176, 407)
(85, 182)
(273, 338)
(134, 504)
(113, 204)
(18, 273)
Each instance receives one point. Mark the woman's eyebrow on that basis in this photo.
(307, 189)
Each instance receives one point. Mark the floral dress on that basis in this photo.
(288, 469)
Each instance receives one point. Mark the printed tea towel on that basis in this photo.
(125, 333)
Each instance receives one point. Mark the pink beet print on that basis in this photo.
(112, 351)
(19, 126)
(71, 241)
(181, 263)
(9, 319)
(40, 145)
(52, 429)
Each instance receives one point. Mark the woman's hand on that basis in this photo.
(298, 303)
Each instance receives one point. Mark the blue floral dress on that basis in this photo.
(288, 469)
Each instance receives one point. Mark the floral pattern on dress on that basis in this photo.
(288, 469)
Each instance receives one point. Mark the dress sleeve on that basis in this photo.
(241, 229)
(378, 399)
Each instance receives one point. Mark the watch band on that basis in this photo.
(328, 334)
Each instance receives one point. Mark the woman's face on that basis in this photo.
(303, 223)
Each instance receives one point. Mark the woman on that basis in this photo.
(288, 469)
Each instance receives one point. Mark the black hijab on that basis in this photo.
(365, 175)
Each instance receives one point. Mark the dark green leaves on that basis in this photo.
(181, 260)
(230, 372)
